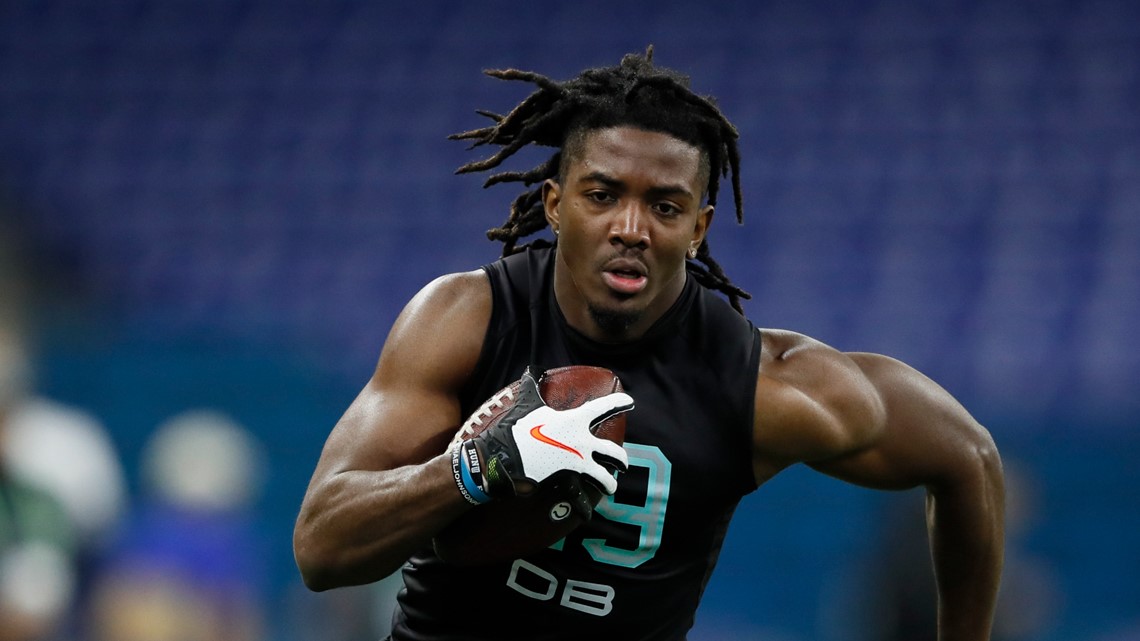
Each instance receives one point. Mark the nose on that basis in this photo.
(630, 227)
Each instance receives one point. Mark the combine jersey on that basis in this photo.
(637, 569)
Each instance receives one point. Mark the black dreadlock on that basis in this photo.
(633, 93)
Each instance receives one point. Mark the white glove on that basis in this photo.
(533, 441)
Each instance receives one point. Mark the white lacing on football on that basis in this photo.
(485, 412)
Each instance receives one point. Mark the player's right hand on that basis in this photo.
(533, 441)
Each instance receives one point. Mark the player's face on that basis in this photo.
(627, 211)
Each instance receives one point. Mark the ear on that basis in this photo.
(704, 219)
(551, 197)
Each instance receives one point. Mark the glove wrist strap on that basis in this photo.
(467, 472)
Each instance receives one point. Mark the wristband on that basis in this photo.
(467, 473)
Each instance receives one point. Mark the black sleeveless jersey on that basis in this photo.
(637, 569)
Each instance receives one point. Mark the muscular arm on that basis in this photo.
(382, 487)
(874, 421)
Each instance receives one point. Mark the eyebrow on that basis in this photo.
(614, 183)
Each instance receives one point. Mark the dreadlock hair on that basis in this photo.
(560, 114)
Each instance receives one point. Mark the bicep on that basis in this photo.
(864, 418)
(926, 438)
(409, 409)
(813, 403)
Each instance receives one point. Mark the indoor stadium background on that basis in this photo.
(225, 203)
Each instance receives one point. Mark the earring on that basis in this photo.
(555, 231)
(692, 252)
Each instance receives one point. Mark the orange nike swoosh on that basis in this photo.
(538, 435)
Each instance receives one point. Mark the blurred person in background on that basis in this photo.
(1031, 598)
(189, 566)
(348, 614)
(37, 537)
(69, 452)
(891, 595)
(64, 452)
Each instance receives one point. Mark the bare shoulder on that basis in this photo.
(813, 403)
(410, 407)
(867, 418)
(460, 287)
(448, 297)
(778, 340)
(814, 368)
(439, 333)
(781, 344)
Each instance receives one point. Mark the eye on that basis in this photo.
(667, 209)
(600, 197)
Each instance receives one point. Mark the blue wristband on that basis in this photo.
(461, 469)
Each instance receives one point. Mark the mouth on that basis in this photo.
(626, 277)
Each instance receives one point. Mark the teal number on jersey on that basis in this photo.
(649, 517)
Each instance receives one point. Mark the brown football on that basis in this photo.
(506, 529)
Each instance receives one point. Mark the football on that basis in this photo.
(506, 529)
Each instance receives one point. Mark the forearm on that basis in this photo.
(966, 520)
(357, 527)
